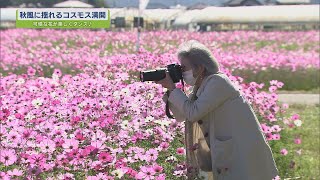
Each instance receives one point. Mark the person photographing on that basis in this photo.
(223, 137)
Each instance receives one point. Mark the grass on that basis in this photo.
(307, 164)
(47, 70)
(301, 79)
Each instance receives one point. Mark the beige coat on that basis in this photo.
(232, 130)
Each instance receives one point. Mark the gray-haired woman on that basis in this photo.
(223, 136)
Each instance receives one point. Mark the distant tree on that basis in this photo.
(4, 4)
(97, 3)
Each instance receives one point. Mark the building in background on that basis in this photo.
(70, 4)
(245, 3)
(197, 4)
(293, 2)
(164, 3)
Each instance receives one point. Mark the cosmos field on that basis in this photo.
(72, 106)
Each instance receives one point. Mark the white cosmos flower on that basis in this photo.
(162, 123)
(149, 131)
(11, 117)
(29, 116)
(20, 81)
(64, 100)
(55, 77)
(171, 158)
(125, 91)
(124, 124)
(104, 103)
(37, 102)
(134, 105)
(297, 123)
(55, 83)
(150, 96)
(116, 94)
(53, 95)
(117, 173)
(149, 119)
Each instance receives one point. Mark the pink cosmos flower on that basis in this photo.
(272, 89)
(161, 177)
(15, 172)
(66, 176)
(285, 106)
(57, 72)
(180, 151)
(151, 155)
(131, 172)
(276, 137)
(96, 165)
(37, 159)
(105, 157)
(8, 157)
(157, 168)
(273, 82)
(31, 71)
(266, 129)
(72, 154)
(284, 152)
(297, 141)
(4, 176)
(276, 128)
(295, 117)
(146, 173)
(280, 84)
(47, 146)
(70, 144)
(99, 145)
(13, 135)
(94, 178)
(164, 145)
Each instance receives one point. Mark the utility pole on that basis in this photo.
(139, 30)
(142, 5)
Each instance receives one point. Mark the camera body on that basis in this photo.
(175, 72)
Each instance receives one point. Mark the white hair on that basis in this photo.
(198, 54)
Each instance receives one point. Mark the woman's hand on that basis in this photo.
(167, 82)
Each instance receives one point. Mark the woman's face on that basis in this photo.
(185, 64)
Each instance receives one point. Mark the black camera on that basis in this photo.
(175, 72)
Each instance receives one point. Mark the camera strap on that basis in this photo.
(167, 111)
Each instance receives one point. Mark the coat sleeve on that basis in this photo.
(215, 92)
(175, 111)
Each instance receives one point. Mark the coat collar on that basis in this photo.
(204, 82)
